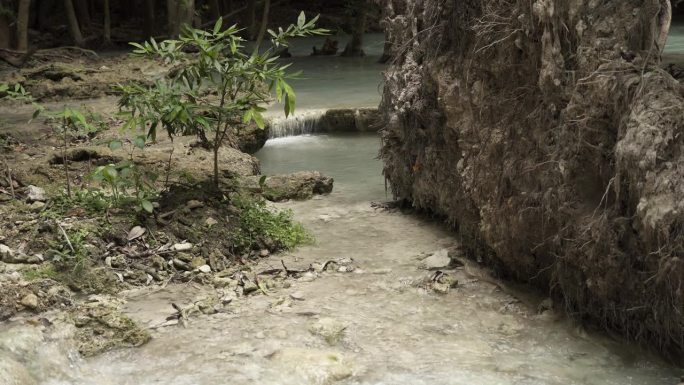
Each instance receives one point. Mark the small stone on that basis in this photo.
(210, 222)
(5, 251)
(30, 301)
(307, 277)
(331, 330)
(185, 257)
(345, 269)
(317, 267)
(194, 204)
(228, 298)
(297, 296)
(197, 262)
(205, 269)
(438, 260)
(118, 261)
(264, 253)
(180, 265)
(158, 262)
(441, 288)
(37, 206)
(345, 261)
(35, 194)
(108, 262)
(260, 335)
(187, 246)
(249, 287)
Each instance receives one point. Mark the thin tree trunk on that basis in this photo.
(150, 19)
(83, 14)
(22, 24)
(107, 22)
(355, 46)
(187, 13)
(5, 36)
(251, 14)
(65, 158)
(264, 25)
(74, 28)
(172, 14)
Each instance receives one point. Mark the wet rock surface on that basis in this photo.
(298, 186)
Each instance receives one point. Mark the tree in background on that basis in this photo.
(360, 14)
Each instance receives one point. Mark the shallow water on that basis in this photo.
(352, 160)
(395, 332)
(675, 41)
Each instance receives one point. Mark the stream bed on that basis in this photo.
(387, 327)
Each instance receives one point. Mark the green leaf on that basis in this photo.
(147, 206)
(115, 144)
(79, 117)
(218, 25)
(259, 119)
(139, 142)
(110, 172)
(301, 20)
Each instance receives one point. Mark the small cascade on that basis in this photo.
(302, 123)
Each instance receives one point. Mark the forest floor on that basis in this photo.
(83, 219)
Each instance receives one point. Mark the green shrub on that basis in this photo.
(261, 226)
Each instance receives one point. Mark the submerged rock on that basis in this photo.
(438, 260)
(102, 327)
(330, 329)
(316, 366)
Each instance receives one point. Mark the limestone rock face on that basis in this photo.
(251, 138)
(552, 138)
(299, 185)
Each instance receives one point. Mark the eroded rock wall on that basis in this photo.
(547, 134)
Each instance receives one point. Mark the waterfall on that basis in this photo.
(302, 123)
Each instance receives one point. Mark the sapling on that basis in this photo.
(214, 85)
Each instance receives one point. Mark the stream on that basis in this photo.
(389, 329)
(392, 330)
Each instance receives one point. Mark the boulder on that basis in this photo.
(299, 185)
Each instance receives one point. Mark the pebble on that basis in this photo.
(264, 253)
(183, 246)
(5, 250)
(438, 260)
(194, 204)
(30, 301)
(297, 296)
(210, 222)
(205, 269)
(197, 262)
(37, 206)
(36, 194)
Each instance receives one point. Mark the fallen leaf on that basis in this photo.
(135, 233)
